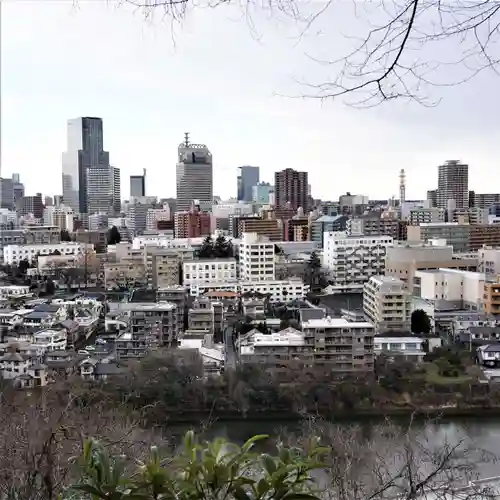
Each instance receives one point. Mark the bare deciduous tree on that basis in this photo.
(42, 433)
(397, 51)
(397, 461)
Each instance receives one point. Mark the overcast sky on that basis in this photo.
(224, 83)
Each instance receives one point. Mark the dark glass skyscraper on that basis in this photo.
(85, 154)
(248, 177)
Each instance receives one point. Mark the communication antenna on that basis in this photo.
(402, 186)
(186, 139)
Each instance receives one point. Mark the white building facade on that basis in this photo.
(353, 260)
(13, 254)
(199, 272)
(257, 258)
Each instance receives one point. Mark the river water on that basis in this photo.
(478, 433)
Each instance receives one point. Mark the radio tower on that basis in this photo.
(402, 186)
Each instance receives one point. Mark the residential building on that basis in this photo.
(489, 261)
(203, 271)
(155, 216)
(51, 340)
(461, 289)
(257, 258)
(85, 151)
(485, 200)
(138, 185)
(484, 235)
(124, 274)
(271, 228)
(296, 229)
(177, 295)
(453, 184)
(457, 235)
(194, 175)
(419, 216)
(492, 297)
(98, 221)
(376, 223)
(162, 267)
(261, 192)
(432, 197)
(386, 304)
(291, 188)
(150, 325)
(13, 254)
(248, 177)
(340, 346)
(403, 346)
(327, 224)
(192, 224)
(138, 216)
(471, 215)
(404, 259)
(353, 260)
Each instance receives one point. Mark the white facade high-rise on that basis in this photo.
(257, 260)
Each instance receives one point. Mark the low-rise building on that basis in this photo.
(13, 254)
(339, 345)
(386, 304)
(51, 340)
(202, 271)
(407, 346)
(124, 274)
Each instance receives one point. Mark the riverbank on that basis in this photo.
(195, 417)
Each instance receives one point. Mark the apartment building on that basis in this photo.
(484, 235)
(270, 228)
(13, 254)
(419, 216)
(407, 347)
(404, 259)
(278, 350)
(492, 297)
(257, 258)
(150, 325)
(459, 289)
(327, 224)
(175, 294)
(386, 304)
(489, 261)
(353, 260)
(340, 346)
(124, 274)
(457, 235)
(377, 224)
(162, 267)
(202, 271)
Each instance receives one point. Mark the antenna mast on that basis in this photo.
(186, 139)
(402, 186)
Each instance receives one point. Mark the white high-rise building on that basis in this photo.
(353, 260)
(61, 216)
(256, 258)
(194, 176)
(453, 184)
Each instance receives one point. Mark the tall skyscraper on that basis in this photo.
(85, 153)
(138, 185)
(103, 190)
(248, 177)
(453, 184)
(194, 175)
(291, 187)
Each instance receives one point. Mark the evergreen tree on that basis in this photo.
(207, 248)
(221, 247)
(65, 236)
(114, 236)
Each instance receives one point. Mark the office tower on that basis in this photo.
(138, 185)
(7, 193)
(194, 176)
(247, 178)
(453, 184)
(85, 151)
(30, 205)
(103, 190)
(290, 187)
(18, 187)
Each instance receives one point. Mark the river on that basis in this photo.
(477, 433)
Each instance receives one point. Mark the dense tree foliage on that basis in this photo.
(420, 322)
(65, 236)
(114, 236)
(221, 248)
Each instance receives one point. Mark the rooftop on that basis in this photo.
(329, 322)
